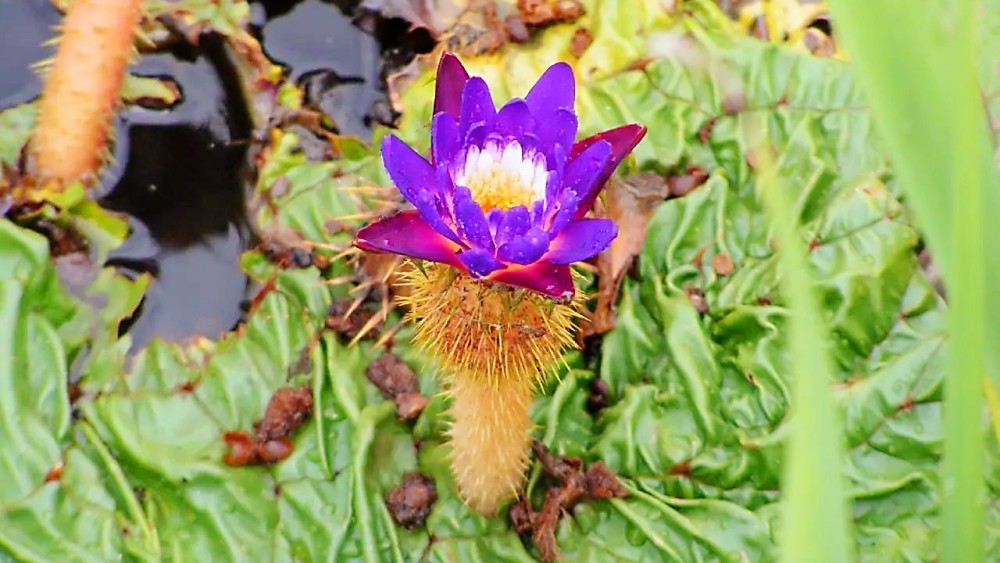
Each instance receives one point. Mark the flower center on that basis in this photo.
(501, 179)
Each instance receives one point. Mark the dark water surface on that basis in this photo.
(181, 174)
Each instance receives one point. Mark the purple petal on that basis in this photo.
(494, 217)
(410, 172)
(525, 249)
(477, 135)
(450, 81)
(548, 279)
(583, 171)
(622, 139)
(553, 187)
(514, 222)
(529, 143)
(405, 233)
(479, 262)
(432, 210)
(477, 106)
(418, 181)
(472, 223)
(537, 212)
(554, 90)
(514, 119)
(564, 209)
(445, 141)
(556, 128)
(445, 189)
(581, 240)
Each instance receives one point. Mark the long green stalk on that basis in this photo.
(963, 489)
(814, 524)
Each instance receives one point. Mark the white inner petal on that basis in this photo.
(503, 177)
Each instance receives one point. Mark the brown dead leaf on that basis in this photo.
(436, 16)
(487, 25)
(682, 184)
(522, 517)
(631, 202)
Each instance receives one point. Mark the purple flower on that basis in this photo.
(505, 192)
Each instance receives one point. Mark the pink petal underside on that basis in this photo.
(406, 234)
(449, 83)
(622, 140)
(548, 279)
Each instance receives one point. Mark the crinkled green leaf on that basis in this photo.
(57, 502)
(888, 324)
(15, 128)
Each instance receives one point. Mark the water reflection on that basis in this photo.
(180, 176)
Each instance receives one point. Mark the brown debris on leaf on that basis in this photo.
(490, 24)
(600, 396)
(436, 16)
(289, 256)
(598, 482)
(537, 13)
(68, 247)
(722, 263)
(932, 271)
(410, 503)
(602, 483)
(287, 410)
(348, 317)
(698, 300)
(397, 382)
(681, 184)
(581, 40)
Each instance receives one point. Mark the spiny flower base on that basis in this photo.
(495, 345)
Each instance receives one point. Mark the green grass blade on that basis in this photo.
(919, 75)
(814, 525)
(963, 448)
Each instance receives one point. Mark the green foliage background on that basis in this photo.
(699, 406)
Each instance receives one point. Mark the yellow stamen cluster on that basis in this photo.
(499, 190)
(503, 178)
(495, 344)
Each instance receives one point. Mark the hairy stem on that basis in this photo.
(490, 439)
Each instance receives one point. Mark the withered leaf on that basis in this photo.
(630, 203)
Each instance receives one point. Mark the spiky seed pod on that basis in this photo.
(495, 344)
(82, 88)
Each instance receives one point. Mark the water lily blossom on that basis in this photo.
(503, 199)
(504, 194)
